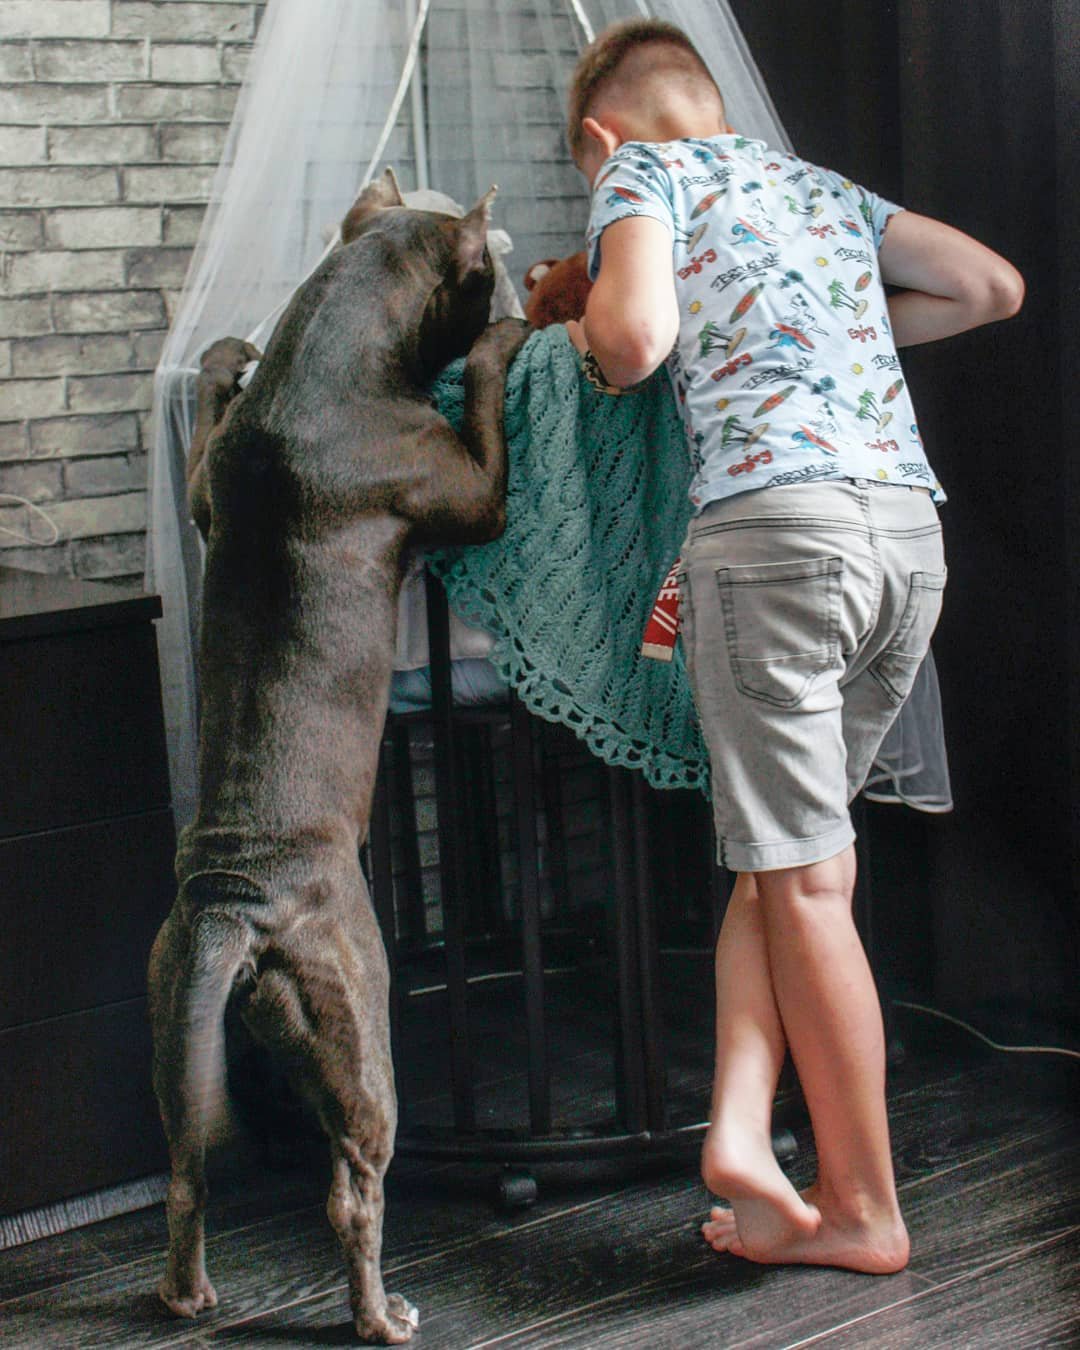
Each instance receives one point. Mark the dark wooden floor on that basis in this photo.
(988, 1157)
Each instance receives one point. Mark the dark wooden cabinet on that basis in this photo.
(86, 852)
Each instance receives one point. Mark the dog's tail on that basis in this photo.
(195, 970)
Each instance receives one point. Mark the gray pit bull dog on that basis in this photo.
(309, 486)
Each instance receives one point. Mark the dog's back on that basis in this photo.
(303, 565)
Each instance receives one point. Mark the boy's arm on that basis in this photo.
(950, 281)
(632, 317)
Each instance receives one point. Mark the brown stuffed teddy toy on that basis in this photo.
(558, 289)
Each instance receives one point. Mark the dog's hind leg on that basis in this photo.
(193, 967)
(323, 1009)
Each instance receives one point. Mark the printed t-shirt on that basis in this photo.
(784, 368)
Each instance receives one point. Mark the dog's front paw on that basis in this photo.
(228, 356)
(393, 1327)
(187, 1302)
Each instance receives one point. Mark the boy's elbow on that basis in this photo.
(996, 295)
(1008, 291)
(637, 356)
(629, 352)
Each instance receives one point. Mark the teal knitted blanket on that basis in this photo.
(597, 509)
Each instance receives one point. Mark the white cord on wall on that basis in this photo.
(36, 510)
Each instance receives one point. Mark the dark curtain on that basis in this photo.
(968, 112)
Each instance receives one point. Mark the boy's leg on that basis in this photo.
(791, 597)
(831, 1015)
(737, 1160)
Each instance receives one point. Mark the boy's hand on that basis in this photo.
(951, 282)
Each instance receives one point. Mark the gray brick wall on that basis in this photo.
(112, 118)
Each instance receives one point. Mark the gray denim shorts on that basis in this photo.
(806, 612)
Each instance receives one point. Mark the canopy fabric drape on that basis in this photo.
(456, 95)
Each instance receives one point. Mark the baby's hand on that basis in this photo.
(577, 335)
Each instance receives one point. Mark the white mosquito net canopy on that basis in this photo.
(455, 95)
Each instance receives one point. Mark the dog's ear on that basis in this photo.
(472, 237)
(538, 270)
(377, 196)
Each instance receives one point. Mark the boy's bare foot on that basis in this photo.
(766, 1207)
(875, 1247)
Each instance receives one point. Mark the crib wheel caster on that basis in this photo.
(784, 1145)
(515, 1189)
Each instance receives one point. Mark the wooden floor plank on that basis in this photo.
(983, 1160)
(948, 1122)
(641, 1256)
(120, 1308)
(1016, 1201)
(1025, 1302)
(636, 1272)
(41, 1265)
(692, 1299)
(1003, 1203)
(291, 1257)
(1016, 1208)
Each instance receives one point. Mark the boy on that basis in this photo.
(813, 577)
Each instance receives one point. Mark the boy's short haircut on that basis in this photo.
(600, 61)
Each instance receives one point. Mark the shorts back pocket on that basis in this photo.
(781, 625)
(895, 669)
